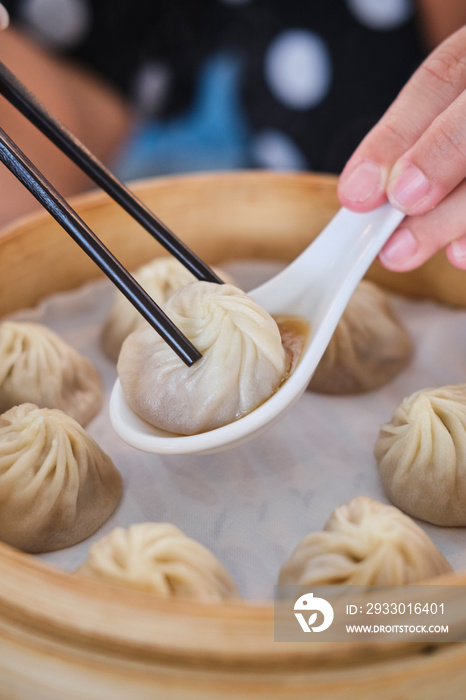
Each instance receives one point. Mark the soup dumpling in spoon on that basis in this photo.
(243, 361)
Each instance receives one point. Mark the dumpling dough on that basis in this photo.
(364, 543)
(37, 366)
(159, 558)
(421, 454)
(243, 361)
(369, 346)
(57, 486)
(160, 278)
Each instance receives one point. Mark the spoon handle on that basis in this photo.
(333, 263)
(351, 241)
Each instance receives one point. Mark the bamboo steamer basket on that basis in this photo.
(70, 637)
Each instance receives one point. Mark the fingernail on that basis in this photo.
(458, 248)
(364, 182)
(410, 188)
(401, 246)
(4, 17)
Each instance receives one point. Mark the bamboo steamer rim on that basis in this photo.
(40, 602)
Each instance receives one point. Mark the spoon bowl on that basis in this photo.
(316, 287)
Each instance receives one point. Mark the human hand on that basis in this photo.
(4, 17)
(416, 157)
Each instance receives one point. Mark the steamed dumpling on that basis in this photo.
(421, 454)
(364, 543)
(368, 349)
(243, 361)
(57, 486)
(159, 558)
(160, 278)
(37, 366)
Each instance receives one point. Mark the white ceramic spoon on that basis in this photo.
(316, 286)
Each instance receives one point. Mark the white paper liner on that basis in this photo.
(251, 505)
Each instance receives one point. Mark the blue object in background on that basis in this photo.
(211, 135)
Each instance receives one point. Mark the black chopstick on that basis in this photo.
(28, 104)
(18, 163)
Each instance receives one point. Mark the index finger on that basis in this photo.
(439, 80)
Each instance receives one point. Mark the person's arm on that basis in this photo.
(90, 109)
(438, 20)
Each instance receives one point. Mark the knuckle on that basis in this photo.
(394, 130)
(446, 67)
(449, 140)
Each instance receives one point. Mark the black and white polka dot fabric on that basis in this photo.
(58, 23)
(231, 83)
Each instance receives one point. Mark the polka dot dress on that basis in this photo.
(59, 23)
(298, 69)
(280, 84)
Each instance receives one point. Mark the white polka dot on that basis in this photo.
(61, 23)
(151, 87)
(4, 17)
(381, 14)
(275, 150)
(298, 68)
